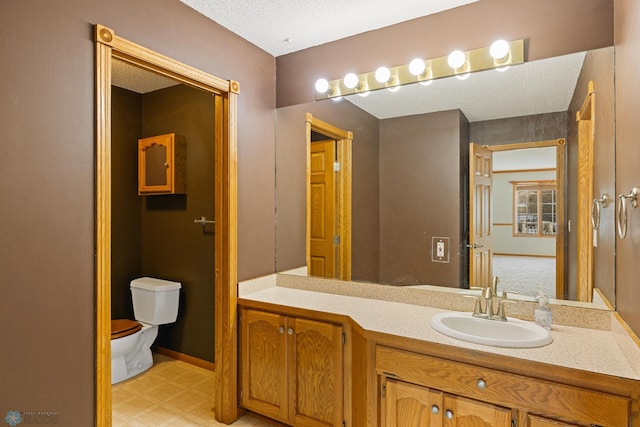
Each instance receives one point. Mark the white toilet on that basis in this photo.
(155, 302)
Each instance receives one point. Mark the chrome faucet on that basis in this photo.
(488, 294)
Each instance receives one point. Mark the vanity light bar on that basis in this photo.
(475, 60)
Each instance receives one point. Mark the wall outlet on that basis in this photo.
(440, 249)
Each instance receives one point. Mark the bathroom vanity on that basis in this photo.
(328, 358)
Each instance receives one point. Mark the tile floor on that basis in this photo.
(170, 393)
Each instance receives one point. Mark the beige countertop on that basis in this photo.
(606, 352)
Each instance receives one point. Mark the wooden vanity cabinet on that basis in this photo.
(162, 165)
(410, 405)
(291, 368)
(533, 421)
(478, 396)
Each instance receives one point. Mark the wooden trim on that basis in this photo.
(103, 236)
(344, 141)
(524, 170)
(200, 363)
(561, 218)
(524, 145)
(500, 224)
(586, 135)
(109, 46)
(344, 213)
(560, 145)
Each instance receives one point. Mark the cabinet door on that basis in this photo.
(315, 376)
(162, 164)
(410, 405)
(459, 411)
(534, 421)
(263, 358)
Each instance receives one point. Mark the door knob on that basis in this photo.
(475, 246)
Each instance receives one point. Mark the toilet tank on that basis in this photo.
(155, 301)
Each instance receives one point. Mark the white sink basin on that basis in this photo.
(513, 333)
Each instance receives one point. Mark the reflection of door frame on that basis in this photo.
(344, 140)
(584, 229)
(560, 145)
(109, 46)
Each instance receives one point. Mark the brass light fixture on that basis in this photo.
(500, 55)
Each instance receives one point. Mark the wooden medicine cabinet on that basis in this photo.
(162, 162)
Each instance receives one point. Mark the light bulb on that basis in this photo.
(499, 49)
(350, 80)
(416, 66)
(456, 59)
(383, 74)
(322, 85)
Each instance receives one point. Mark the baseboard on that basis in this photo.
(205, 364)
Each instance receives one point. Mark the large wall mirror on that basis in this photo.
(411, 175)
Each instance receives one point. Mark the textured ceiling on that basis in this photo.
(284, 26)
(136, 79)
(531, 88)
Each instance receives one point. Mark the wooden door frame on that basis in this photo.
(109, 46)
(344, 140)
(560, 145)
(585, 119)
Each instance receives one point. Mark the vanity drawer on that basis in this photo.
(501, 388)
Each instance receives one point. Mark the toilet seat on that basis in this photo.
(124, 327)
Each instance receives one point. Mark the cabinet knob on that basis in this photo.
(448, 414)
(281, 329)
(482, 384)
(435, 409)
(166, 165)
(290, 331)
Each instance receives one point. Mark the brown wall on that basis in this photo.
(599, 68)
(173, 247)
(513, 130)
(543, 24)
(126, 205)
(291, 191)
(47, 140)
(627, 43)
(420, 197)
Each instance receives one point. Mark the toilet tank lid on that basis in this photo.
(155, 285)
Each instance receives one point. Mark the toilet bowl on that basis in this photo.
(155, 302)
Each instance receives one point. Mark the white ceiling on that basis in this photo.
(284, 26)
(531, 88)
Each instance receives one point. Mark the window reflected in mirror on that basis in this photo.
(534, 208)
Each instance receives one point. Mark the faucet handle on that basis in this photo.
(501, 314)
(477, 309)
(505, 295)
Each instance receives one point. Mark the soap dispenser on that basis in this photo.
(542, 313)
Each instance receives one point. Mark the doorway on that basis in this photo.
(548, 231)
(108, 47)
(328, 241)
